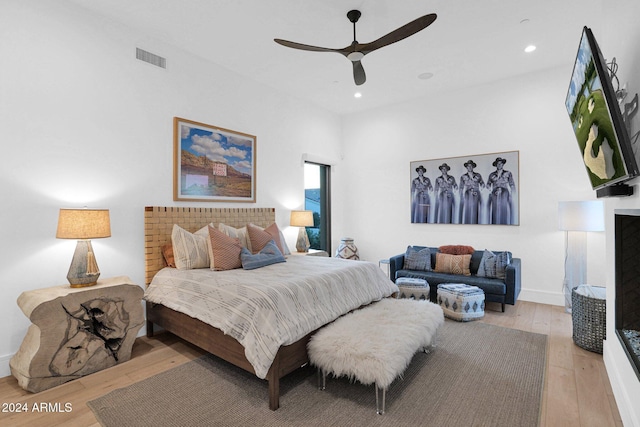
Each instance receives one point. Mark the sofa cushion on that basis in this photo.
(417, 259)
(453, 264)
(494, 265)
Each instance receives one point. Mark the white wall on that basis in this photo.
(525, 114)
(82, 122)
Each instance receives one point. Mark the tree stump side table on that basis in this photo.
(76, 331)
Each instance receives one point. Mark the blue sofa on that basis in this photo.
(495, 290)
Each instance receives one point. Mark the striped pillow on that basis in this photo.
(453, 264)
(189, 249)
(270, 254)
(259, 238)
(226, 250)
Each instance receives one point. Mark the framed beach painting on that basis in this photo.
(476, 189)
(212, 164)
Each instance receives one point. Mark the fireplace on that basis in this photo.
(627, 264)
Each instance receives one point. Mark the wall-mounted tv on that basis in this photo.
(597, 122)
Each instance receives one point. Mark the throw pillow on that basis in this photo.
(417, 259)
(453, 264)
(189, 249)
(259, 237)
(270, 254)
(236, 233)
(167, 254)
(226, 250)
(494, 265)
(456, 250)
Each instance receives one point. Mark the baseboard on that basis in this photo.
(5, 370)
(542, 297)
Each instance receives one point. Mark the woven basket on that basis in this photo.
(589, 317)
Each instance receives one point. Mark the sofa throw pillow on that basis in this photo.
(494, 265)
(417, 259)
(453, 264)
(226, 250)
(189, 249)
(456, 250)
(270, 254)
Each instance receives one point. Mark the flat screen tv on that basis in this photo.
(597, 121)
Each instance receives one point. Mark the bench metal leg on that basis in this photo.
(434, 343)
(380, 404)
(322, 379)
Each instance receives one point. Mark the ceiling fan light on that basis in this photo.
(355, 56)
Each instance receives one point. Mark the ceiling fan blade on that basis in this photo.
(358, 73)
(301, 46)
(401, 33)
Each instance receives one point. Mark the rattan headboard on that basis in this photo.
(159, 220)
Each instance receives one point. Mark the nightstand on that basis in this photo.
(76, 331)
(312, 252)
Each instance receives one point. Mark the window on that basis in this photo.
(317, 199)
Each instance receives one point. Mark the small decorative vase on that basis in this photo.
(347, 249)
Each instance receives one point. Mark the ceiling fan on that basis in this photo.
(356, 51)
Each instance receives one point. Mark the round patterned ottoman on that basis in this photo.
(461, 302)
(417, 289)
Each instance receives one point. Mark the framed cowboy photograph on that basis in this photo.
(475, 189)
(212, 164)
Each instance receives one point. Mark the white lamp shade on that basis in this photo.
(581, 216)
(301, 219)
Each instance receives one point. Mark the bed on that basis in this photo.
(271, 356)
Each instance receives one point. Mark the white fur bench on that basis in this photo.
(375, 344)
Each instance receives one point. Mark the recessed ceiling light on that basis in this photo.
(425, 76)
(357, 95)
(530, 48)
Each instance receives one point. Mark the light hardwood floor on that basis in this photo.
(576, 392)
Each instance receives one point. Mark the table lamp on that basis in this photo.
(576, 218)
(83, 225)
(302, 219)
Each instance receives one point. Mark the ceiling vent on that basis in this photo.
(151, 58)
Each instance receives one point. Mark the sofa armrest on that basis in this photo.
(395, 263)
(512, 280)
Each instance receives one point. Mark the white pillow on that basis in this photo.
(190, 250)
(236, 233)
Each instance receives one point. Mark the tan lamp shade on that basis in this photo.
(301, 219)
(83, 224)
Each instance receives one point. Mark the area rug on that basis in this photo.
(478, 375)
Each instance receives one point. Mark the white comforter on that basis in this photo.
(271, 306)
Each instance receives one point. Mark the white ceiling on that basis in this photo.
(472, 42)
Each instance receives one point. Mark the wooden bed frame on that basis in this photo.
(158, 223)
